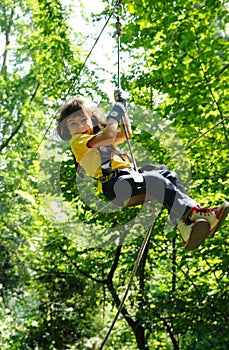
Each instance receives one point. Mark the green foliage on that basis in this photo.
(64, 272)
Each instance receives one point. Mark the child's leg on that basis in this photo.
(155, 186)
(166, 172)
(181, 206)
(161, 185)
(194, 223)
(174, 178)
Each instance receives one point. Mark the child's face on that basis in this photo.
(80, 123)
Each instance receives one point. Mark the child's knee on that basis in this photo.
(122, 189)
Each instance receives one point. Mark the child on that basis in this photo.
(94, 143)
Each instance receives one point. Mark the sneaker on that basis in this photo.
(194, 233)
(215, 216)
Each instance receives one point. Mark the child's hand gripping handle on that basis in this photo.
(120, 96)
(119, 108)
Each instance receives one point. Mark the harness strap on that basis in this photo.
(105, 154)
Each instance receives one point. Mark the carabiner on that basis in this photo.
(118, 8)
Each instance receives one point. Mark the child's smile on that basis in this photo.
(80, 123)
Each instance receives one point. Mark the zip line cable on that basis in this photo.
(119, 33)
(96, 41)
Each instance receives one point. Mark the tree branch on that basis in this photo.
(174, 266)
(110, 284)
(15, 131)
(78, 269)
(117, 256)
(222, 70)
(170, 331)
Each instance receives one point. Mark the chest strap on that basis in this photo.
(105, 154)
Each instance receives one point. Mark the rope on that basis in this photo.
(138, 260)
(118, 5)
(96, 41)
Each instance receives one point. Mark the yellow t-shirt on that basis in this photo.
(89, 158)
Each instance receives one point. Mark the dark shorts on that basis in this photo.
(123, 186)
(126, 183)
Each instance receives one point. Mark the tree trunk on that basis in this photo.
(139, 332)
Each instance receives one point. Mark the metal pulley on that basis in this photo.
(118, 14)
(118, 27)
(118, 5)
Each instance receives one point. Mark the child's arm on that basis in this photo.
(107, 137)
(111, 134)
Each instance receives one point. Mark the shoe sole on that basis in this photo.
(200, 231)
(222, 217)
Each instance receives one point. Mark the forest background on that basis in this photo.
(66, 255)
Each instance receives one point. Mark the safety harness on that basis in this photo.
(106, 156)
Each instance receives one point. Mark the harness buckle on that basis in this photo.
(107, 177)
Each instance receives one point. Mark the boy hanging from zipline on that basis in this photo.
(94, 141)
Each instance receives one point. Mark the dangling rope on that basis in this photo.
(138, 260)
(119, 10)
(119, 33)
